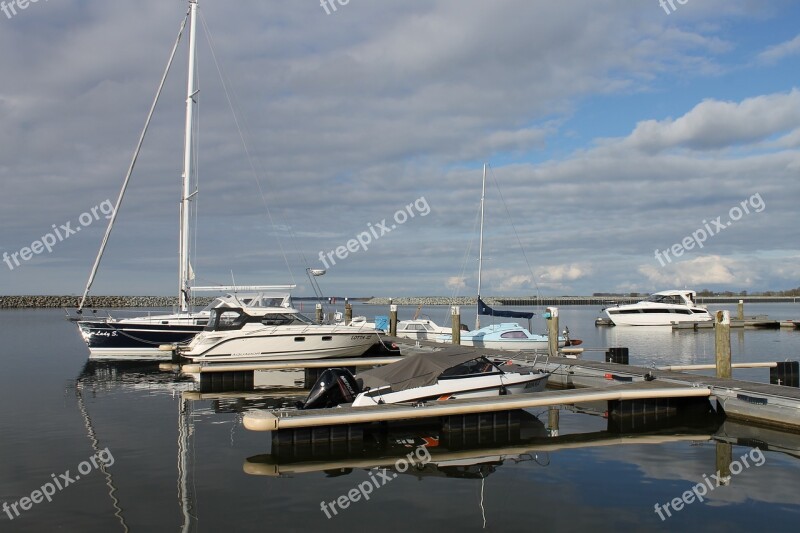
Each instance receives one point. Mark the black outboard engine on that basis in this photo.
(335, 386)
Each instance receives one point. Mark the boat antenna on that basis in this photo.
(480, 252)
(130, 169)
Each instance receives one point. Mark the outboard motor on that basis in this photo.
(335, 386)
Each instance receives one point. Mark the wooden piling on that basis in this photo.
(455, 311)
(393, 320)
(722, 332)
(319, 313)
(553, 419)
(348, 313)
(723, 462)
(552, 331)
(740, 310)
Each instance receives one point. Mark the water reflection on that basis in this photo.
(493, 460)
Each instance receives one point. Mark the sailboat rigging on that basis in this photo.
(140, 337)
(507, 335)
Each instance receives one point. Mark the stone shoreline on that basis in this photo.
(112, 302)
(71, 302)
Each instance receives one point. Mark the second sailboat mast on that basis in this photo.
(480, 251)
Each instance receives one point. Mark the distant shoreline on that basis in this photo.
(97, 302)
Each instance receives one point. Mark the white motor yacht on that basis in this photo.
(252, 334)
(660, 309)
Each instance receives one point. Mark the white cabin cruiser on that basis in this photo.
(421, 329)
(506, 336)
(660, 309)
(140, 337)
(448, 374)
(280, 332)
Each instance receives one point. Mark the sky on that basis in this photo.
(631, 146)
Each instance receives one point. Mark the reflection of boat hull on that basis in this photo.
(114, 339)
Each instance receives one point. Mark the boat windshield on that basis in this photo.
(666, 299)
(285, 319)
(258, 300)
(479, 366)
(224, 319)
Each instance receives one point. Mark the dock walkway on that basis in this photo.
(765, 404)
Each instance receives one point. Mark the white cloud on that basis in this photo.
(775, 53)
(714, 124)
(569, 272)
(456, 282)
(705, 270)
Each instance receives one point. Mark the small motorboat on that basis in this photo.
(448, 374)
(421, 329)
(505, 336)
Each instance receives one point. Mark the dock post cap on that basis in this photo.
(551, 312)
(393, 308)
(260, 421)
(455, 310)
(724, 317)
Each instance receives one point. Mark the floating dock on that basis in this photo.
(643, 388)
(276, 420)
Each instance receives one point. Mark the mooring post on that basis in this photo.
(455, 311)
(319, 313)
(722, 333)
(393, 320)
(553, 418)
(740, 310)
(724, 460)
(552, 331)
(348, 312)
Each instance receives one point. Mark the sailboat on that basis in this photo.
(140, 337)
(505, 335)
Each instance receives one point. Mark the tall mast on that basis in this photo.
(480, 251)
(191, 92)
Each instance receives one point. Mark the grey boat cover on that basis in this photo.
(417, 370)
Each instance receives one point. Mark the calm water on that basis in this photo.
(176, 463)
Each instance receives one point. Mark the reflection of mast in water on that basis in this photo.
(483, 510)
(134, 375)
(100, 464)
(185, 432)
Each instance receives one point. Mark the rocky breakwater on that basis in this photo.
(19, 302)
